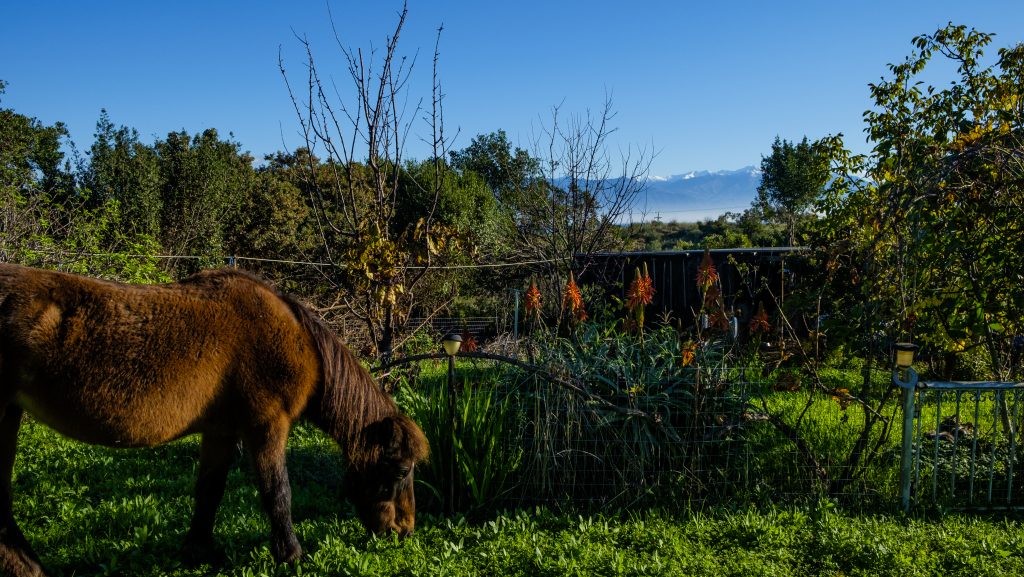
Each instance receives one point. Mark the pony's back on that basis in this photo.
(138, 365)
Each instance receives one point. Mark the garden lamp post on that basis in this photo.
(452, 342)
(905, 377)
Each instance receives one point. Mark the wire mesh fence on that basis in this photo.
(722, 435)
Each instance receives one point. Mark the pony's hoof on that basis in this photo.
(16, 556)
(286, 550)
(202, 551)
(20, 566)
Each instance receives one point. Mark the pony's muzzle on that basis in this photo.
(401, 531)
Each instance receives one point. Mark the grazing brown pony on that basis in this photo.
(221, 354)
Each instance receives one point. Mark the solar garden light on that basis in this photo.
(452, 342)
(904, 355)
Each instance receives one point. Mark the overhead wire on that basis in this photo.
(232, 258)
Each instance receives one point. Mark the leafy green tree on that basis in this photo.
(272, 220)
(793, 177)
(47, 220)
(928, 225)
(121, 168)
(203, 183)
(722, 232)
(31, 178)
(31, 160)
(512, 177)
(758, 228)
(509, 173)
(463, 202)
(478, 229)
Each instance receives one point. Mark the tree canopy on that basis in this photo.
(793, 177)
(929, 224)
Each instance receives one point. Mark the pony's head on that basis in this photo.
(380, 482)
(383, 445)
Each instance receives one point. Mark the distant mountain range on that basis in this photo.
(698, 195)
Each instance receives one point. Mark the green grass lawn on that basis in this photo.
(94, 511)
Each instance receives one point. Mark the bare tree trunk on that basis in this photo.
(585, 192)
(355, 189)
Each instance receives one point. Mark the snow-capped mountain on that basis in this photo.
(697, 195)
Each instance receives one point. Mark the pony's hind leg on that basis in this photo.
(215, 458)
(16, 555)
(267, 448)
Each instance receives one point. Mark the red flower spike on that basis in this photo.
(469, 344)
(759, 322)
(641, 290)
(572, 300)
(533, 299)
(719, 320)
(707, 274)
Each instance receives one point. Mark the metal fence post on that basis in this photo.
(515, 321)
(906, 466)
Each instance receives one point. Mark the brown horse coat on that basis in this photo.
(221, 354)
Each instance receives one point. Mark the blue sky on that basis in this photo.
(704, 85)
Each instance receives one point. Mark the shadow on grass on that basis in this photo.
(91, 510)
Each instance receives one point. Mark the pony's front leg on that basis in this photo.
(215, 458)
(16, 555)
(267, 449)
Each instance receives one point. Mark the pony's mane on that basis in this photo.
(352, 403)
